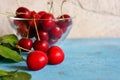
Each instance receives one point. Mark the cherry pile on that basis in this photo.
(47, 30)
(41, 25)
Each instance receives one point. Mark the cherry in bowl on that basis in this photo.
(42, 27)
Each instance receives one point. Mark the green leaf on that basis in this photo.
(10, 39)
(3, 73)
(15, 75)
(10, 54)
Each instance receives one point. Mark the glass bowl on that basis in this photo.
(34, 29)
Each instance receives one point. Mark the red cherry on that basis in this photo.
(64, 29)
(65, 21)
(32, 22)
(25, 43)
(55, 55)
(43, 35)
(56, 32)
(23, 12)
(42, 45)
(41, 13)
(37, 60)
(48, 21)
(52, 41)
(32, 14)
(22, 29)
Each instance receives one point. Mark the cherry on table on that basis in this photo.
(36, 60)
(55, 55)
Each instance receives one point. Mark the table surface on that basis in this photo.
(85, 59)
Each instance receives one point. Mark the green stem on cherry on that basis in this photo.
(36, 30)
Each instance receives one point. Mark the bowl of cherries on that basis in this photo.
(41, 25)
(39, 34)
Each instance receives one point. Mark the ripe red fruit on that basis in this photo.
(36, 60)
(32, 22)
(32, 14)
(48, 21)
(55, 55)
(52, 40)
(25, 43)
(65, 21)
(56, 32)
(23, 12)
(43, 35)
(22, 29)
(41, 13)
(41, 45)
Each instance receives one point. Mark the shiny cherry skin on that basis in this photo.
(48, 21)
(23, 12)
(41, 13)
(65, 22)
(55, 55)
(32, 22)
(44, 35)
(41, 45)
(25, 43)
(36, 60)
(32, 14)
(56, 32)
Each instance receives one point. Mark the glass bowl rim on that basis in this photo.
(14, 18)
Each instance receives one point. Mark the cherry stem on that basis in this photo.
(20, 13)
(62, 7)
(51, 5)
(19, 47)
(17, 3)
(36, 30)
(28, 32)
(7, 14)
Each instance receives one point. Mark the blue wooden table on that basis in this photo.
(85, 59)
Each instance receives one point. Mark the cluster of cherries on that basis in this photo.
(47, 30)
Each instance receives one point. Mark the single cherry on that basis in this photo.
(41, 13)
(23, 12)
(36, 60)
(32, 14)
(25, 43)
(41, 45)
(52, 40)
(43, 35)
(48, 21)
(22, 29)
(55, 55)
(56, 32)
(32, 22)
(65, 21)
